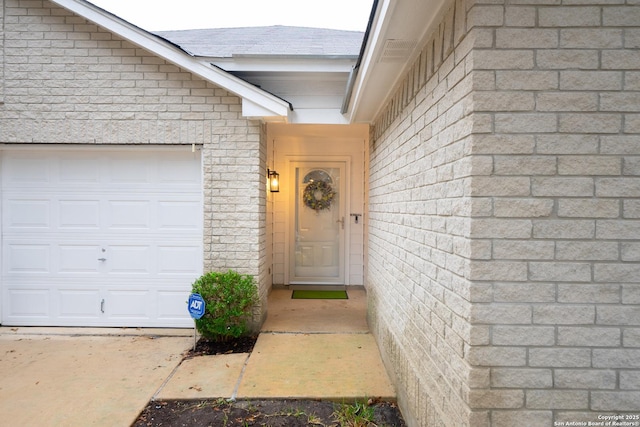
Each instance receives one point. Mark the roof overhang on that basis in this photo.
(284, 64)
(398, 29)
(256, 103)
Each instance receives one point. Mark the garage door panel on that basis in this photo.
(79, 214)
(180, 215)
(86, 226)
(171, 304)
(83, 304)
(129, 171)
(180, 260)
(79, 259)
(26, 169)
(79, 170)
(131, 259)
(178, 171)
(113, 307)
(27, 258)
(129, 214)
(27, 213)
(28, 303)
(129, 304)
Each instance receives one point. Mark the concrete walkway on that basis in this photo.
(319, 349)
(308, 349)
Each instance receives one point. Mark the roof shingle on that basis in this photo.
(270, 41)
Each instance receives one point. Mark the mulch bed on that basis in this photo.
(272, 413)
(209, 348)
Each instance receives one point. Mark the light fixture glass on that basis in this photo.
(274, 181)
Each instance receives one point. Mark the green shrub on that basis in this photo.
(229, 298)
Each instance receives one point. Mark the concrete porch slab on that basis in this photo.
(315, 366)
(329, 316)
(205, 377)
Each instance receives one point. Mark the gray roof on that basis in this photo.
(271, 41)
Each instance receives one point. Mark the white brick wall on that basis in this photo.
(546, 219)
(68, 81)
(1, 53)
(417, 280)
(585, 174)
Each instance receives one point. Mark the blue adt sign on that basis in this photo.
(196, 306)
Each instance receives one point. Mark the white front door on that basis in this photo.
(98, 237)
(318, 206)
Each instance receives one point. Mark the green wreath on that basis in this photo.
(318, 195)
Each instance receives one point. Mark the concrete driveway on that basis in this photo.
(83, 377)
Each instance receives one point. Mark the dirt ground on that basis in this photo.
(272, 413)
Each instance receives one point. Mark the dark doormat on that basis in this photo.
(309, 294)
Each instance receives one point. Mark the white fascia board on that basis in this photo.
(282, 65)
(255, 111)
(327, 116)
(379, 27)
(405, 20)
(267, 102)
(317, 116)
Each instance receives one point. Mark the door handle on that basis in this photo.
(341, 221)
(102, 259)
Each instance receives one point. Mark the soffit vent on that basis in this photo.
(397, 50)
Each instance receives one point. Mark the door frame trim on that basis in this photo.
(290, 160)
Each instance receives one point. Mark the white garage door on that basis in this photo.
(96, 237)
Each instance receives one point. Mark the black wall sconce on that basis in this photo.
(274, 181)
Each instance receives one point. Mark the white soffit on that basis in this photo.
(283, 64)
(270, 107)
(398, 30)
